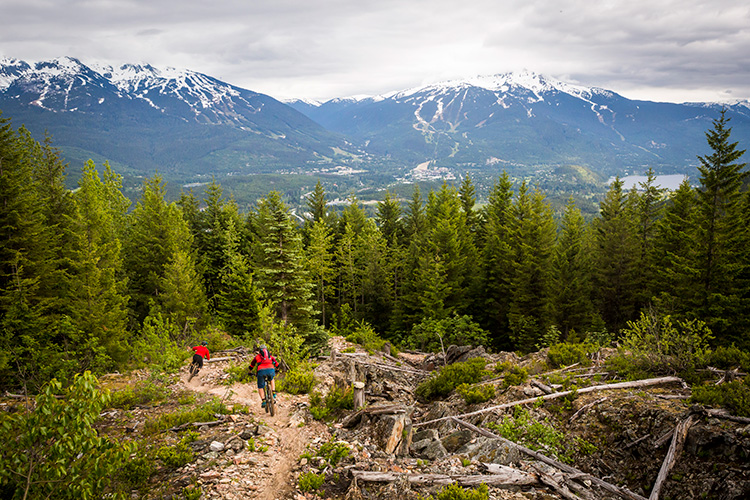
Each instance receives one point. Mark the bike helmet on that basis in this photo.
(260, 348)
(204, 343)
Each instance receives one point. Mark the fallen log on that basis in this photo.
(507, 477)
(678, 440)
(580, 475)
(225, 358)
(726, 416)
(583, 390)
(584, 408)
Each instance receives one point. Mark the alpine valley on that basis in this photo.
(190, 128)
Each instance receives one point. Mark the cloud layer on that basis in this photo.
(666, 50)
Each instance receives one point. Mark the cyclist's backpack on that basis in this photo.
(264, 356)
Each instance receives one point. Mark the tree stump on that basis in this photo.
(358, 395)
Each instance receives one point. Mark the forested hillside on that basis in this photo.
(88, 282)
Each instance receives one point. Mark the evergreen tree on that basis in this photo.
(320, 264)
(615, 250)
(676, 268)
(496, 262)
(648, 203)
(532, 239)
(571, 289)
(278, 262)
(719, 229)
(239, 300)
(99, 299)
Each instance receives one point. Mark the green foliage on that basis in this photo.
(734, 396)
(239, 373)
(337, 399)
(143, 393)
(192, 492)
(136, 472)
(202, 413)
(333, 452)
(566, 354)
(523, 428)
(449, 377)
(657, 345)
(434, 335)
(474, 394)
(310, 481)
(175, 456)
(456, 492)
(155, 347)
(299, 380)
(365, 336)
(515, 376)
(728, 358)
(55, 444)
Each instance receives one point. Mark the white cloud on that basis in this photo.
(666, 50)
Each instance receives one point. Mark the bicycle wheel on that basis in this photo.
(270, 403)
(193, 371)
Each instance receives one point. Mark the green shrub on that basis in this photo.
(734, 396)
(457, 492)
(202, 413)
(474, 394)
(337, 399)
(136, 472)
(142, 393)
(515, 376)
(192, 492)
(239, 373)
(333, 452)
(449, 377)
(365, 336)
(155, 349)
(565, 354)
(299, 380)
(658, 345)
(310, 481)
(432, 335)
(175, 456)
(728, 358)
(55, 445)
(523, 429)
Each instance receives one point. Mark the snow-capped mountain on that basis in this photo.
(165, 119)
(526, 119)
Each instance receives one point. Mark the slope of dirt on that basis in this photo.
(270, 476)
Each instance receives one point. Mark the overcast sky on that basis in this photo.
(659, 50)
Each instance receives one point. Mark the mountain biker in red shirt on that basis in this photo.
(201, 351)
(267, 364)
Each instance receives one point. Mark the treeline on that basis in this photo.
(89, 283)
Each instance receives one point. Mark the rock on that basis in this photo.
(216, 446)
(456, 440)
(247, 433)
(425, 434)
(434, 451)
(490, 451)
(262, 430)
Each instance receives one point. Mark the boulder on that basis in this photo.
(488, 450)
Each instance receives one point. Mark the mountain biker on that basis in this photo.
(267, 365)
(201, 351)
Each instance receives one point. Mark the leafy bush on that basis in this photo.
(432, 335)
(365, 336)
(474, 394)
(300, 380)
(457, 492)
(734, 396)
(55, 444)
(239, 373)
(515, 376)
(728, 358)
(523, 429)
(449, 377)
(332, 452)
(310, 481)
(337, 399)
(136, 472)
(175, 456)
(657, 345)
(155, 348)
(565, 354)
(142, 393)
(202, 413)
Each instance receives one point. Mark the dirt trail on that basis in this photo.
(273, 470)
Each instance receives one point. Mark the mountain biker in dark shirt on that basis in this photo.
(201, 351)
(267, 365)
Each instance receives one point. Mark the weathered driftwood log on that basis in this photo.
(544, 387)
(583, 390)
(678, 440)
(507, 477)
(216, 360)
(726, 416)
(622, 492)
(195, 424)
(355, 418)
(358, 394)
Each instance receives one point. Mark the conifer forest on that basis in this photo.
(90, 283)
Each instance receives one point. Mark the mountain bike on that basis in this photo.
(270, 401)
(194, 369)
